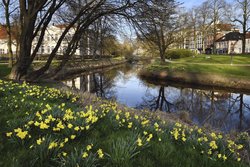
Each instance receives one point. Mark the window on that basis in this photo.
(42, 50)
(2, 51)
(48, 38)
(48, 49)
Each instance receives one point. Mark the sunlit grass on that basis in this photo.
(218, 66)
(216, 59)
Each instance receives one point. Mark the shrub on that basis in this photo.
(179, 53)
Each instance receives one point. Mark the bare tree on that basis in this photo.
(193, 26)
(217, 10)
(36, 16)
(242, 18)
(155, 22)
(9, 8)
(204, 21)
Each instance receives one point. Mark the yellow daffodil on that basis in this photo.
(84, 155)
(100, 153)
(139, 142)
(9, 134)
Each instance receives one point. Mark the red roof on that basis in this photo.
(225, 27)
(3, 32)
(248, 35)
(61, 26)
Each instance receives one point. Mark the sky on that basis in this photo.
(191, 3)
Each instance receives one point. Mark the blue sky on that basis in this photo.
(192, 3)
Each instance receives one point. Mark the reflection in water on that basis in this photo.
(219, 109)
(93, 83)
(158, 102)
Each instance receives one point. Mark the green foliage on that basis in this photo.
(122, 151)
(75, 159)
(178, 53)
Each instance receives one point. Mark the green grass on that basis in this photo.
(215, 59)
(125, 138)
(219, 65)
(4, 70)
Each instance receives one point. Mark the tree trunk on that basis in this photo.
(8, 29)
(163, 56)
(244, 37)
(23, 64)
(10, 53)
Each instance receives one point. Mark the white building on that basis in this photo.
(4, 40)
(231, 43)
(50, 40)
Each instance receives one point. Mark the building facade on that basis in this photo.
(50, 41)
(202, 42)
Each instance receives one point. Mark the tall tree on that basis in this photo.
(193, 26)
(217, 9)
(36, 16)
(8, 9)
(242, 18)
(204, 21)
(155, 21)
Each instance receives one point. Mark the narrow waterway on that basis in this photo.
(220, 109)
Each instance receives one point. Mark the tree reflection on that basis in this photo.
(96, 83)
(158, 102)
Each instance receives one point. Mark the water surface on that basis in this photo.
(224, 110)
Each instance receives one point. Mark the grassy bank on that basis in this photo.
(216, 59)
(219, 65)
(4, 70)
(42, 126)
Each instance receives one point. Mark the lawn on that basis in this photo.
(42, 126)
(216, 64)
(4, 70)
(216, 59)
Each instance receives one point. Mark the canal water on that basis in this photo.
(220, 109)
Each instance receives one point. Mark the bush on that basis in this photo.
(179, 53)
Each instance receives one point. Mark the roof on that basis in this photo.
(231, 36)
(61, 26)
(3, 32)
(224, 27)
(248, 35)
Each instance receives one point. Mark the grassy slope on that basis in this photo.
(28, 107)
(214, 65)
(219, 59)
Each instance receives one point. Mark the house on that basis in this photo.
(4, 40)
(231, 43)
(50, 40)
(200, 42)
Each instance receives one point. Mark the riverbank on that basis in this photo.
(43, 126)
(74, 67)
(89, 66)
(225, 76)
